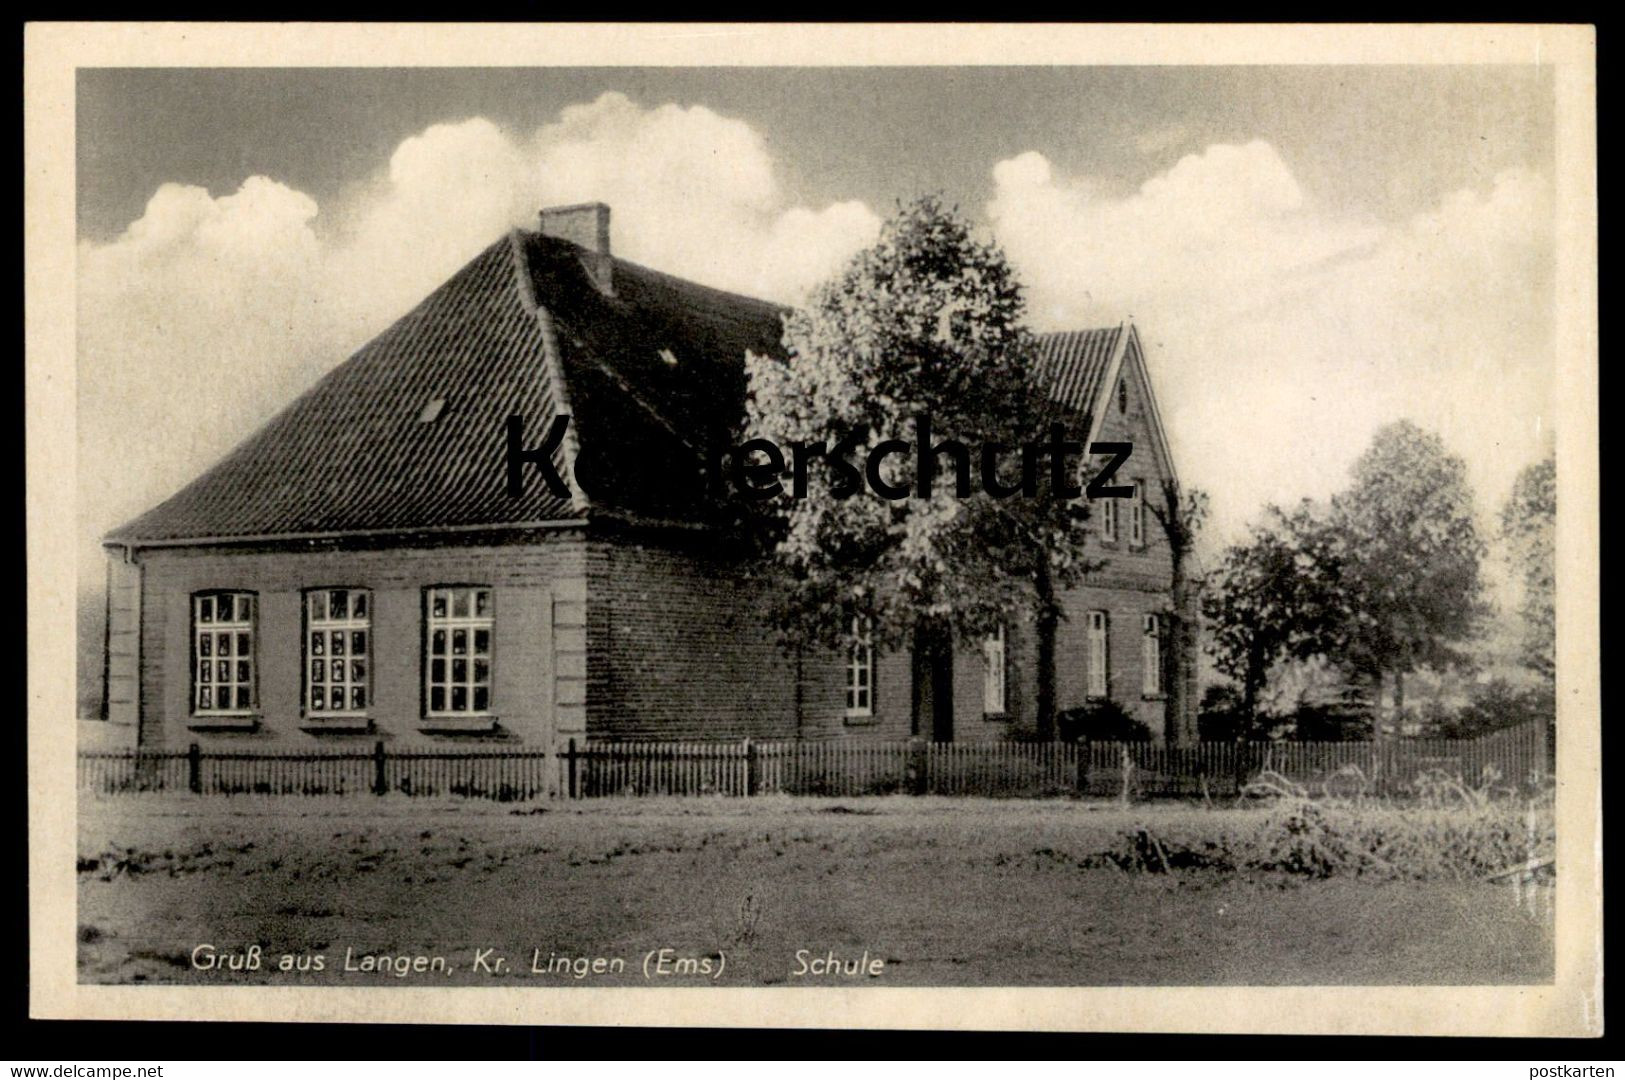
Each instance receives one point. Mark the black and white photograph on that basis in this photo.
(1071, 518)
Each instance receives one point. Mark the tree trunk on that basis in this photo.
(1179, 724)
(1250, 687)
(1048, 620)
(1399, 702)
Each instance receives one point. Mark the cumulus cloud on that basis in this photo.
(1282, 334)
(210, 312)
(695, 193)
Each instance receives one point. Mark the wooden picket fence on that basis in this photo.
(506, 775)
(1514, 758)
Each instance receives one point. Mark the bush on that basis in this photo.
(1100, 721)
(1333, 721)
(1345, 717)
(1493, 706)
(1220, 718)
(1455, 833)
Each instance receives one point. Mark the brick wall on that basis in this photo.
(677, 648)
(539, 646)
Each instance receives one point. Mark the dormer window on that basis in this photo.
(431, 412)
(1122, 395)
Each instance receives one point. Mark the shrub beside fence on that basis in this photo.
(1516, 757)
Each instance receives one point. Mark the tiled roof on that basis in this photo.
(655, 376)
(1074, 364)
(652, 376)
(351, 454)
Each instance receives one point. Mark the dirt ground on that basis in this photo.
(946, 892)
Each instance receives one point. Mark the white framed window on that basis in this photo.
(223, 667)
(1108, 520)
(993, 672)
(1151, 655)
(860, 669)
(1136, 515)
(1097, 654)
(457, 646)
(338, 652)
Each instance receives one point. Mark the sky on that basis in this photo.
(1308, 252)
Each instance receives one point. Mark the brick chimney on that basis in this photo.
(587, 226)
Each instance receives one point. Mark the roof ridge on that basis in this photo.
(560, 385)
(666, 276)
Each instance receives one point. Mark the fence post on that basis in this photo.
(570, 767)
(380, 778)
(194, 769)
(750, 767)
(1083, 766)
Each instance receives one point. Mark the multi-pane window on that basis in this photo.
(860, 670)
(1108, 520)
(223, 652)
(457, 669)
(1136, 515)
(338, 651)
(1097, 653)
(993, 672)
(1151, 656)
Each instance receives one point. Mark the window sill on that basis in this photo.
(1153, 697)
(997, 717)
(859, 719)
(336, 723)
(224, 722)
(443, 725)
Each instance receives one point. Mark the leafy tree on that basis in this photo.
(1528, 525)
(1407, 556)
(1181, 515)
(1272, 598)
(926, 323)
